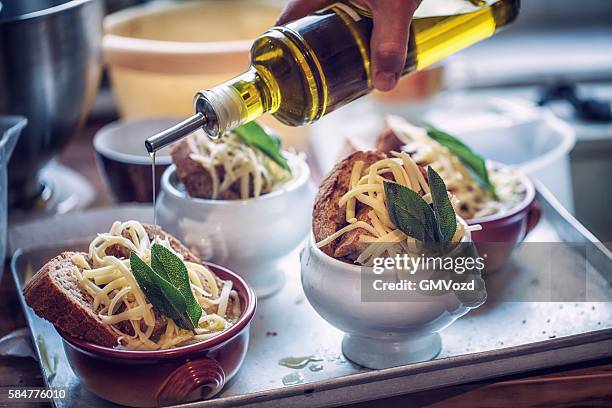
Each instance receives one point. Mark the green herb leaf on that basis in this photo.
(255, 135)
(144, 276)
(172, 268)
(166, 298)
(474, 162)
(410, 213)
(446, 220)
(163, 295)
(176, 301)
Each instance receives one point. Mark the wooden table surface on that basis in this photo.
(586, 384)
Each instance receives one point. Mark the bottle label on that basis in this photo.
(347, 9)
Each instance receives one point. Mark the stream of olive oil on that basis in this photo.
(154, 192)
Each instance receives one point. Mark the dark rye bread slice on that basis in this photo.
(327, 216)
(55, 295)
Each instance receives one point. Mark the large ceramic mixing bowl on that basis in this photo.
(159, 55)
(50, 63)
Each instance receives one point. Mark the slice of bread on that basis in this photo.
(197, 179)
(55, 295)
(327, 216)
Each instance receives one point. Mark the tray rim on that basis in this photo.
(402, 372)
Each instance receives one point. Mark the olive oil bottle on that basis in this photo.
(310, 67)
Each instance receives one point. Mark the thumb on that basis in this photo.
(389, 40)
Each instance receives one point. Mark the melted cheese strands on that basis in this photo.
(474, 201)
(121, 304)
(253, 170)
(368, 190)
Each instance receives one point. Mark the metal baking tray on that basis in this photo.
(498, 339)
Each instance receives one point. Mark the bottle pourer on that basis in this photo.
(176, 132)
(218, 111)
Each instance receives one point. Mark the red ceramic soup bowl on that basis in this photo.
(166, 377)
(500, 232)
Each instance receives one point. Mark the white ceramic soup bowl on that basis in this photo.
(252, 237)
(380, 334)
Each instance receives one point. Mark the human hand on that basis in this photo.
(389, 42)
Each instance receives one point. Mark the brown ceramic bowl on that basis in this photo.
(500, 232)
(123, 161)
(165, 377)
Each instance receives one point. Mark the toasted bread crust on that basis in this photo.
(197, 179)
(350, 245)
(327, 216)
(387, 141)
(55, 295)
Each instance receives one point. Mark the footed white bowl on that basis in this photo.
(384, 333)
(251, 237)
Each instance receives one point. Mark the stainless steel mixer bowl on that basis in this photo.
(10, 128)
(50, 63)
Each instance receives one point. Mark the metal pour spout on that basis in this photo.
(176, 132)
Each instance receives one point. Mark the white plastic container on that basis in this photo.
(517, 133)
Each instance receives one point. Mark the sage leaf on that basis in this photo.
(144, 276)
(167, 299)
(255, 135)
(172, 268)
(446, 220)
(474, 162)
(176, 301)
(410, 213)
